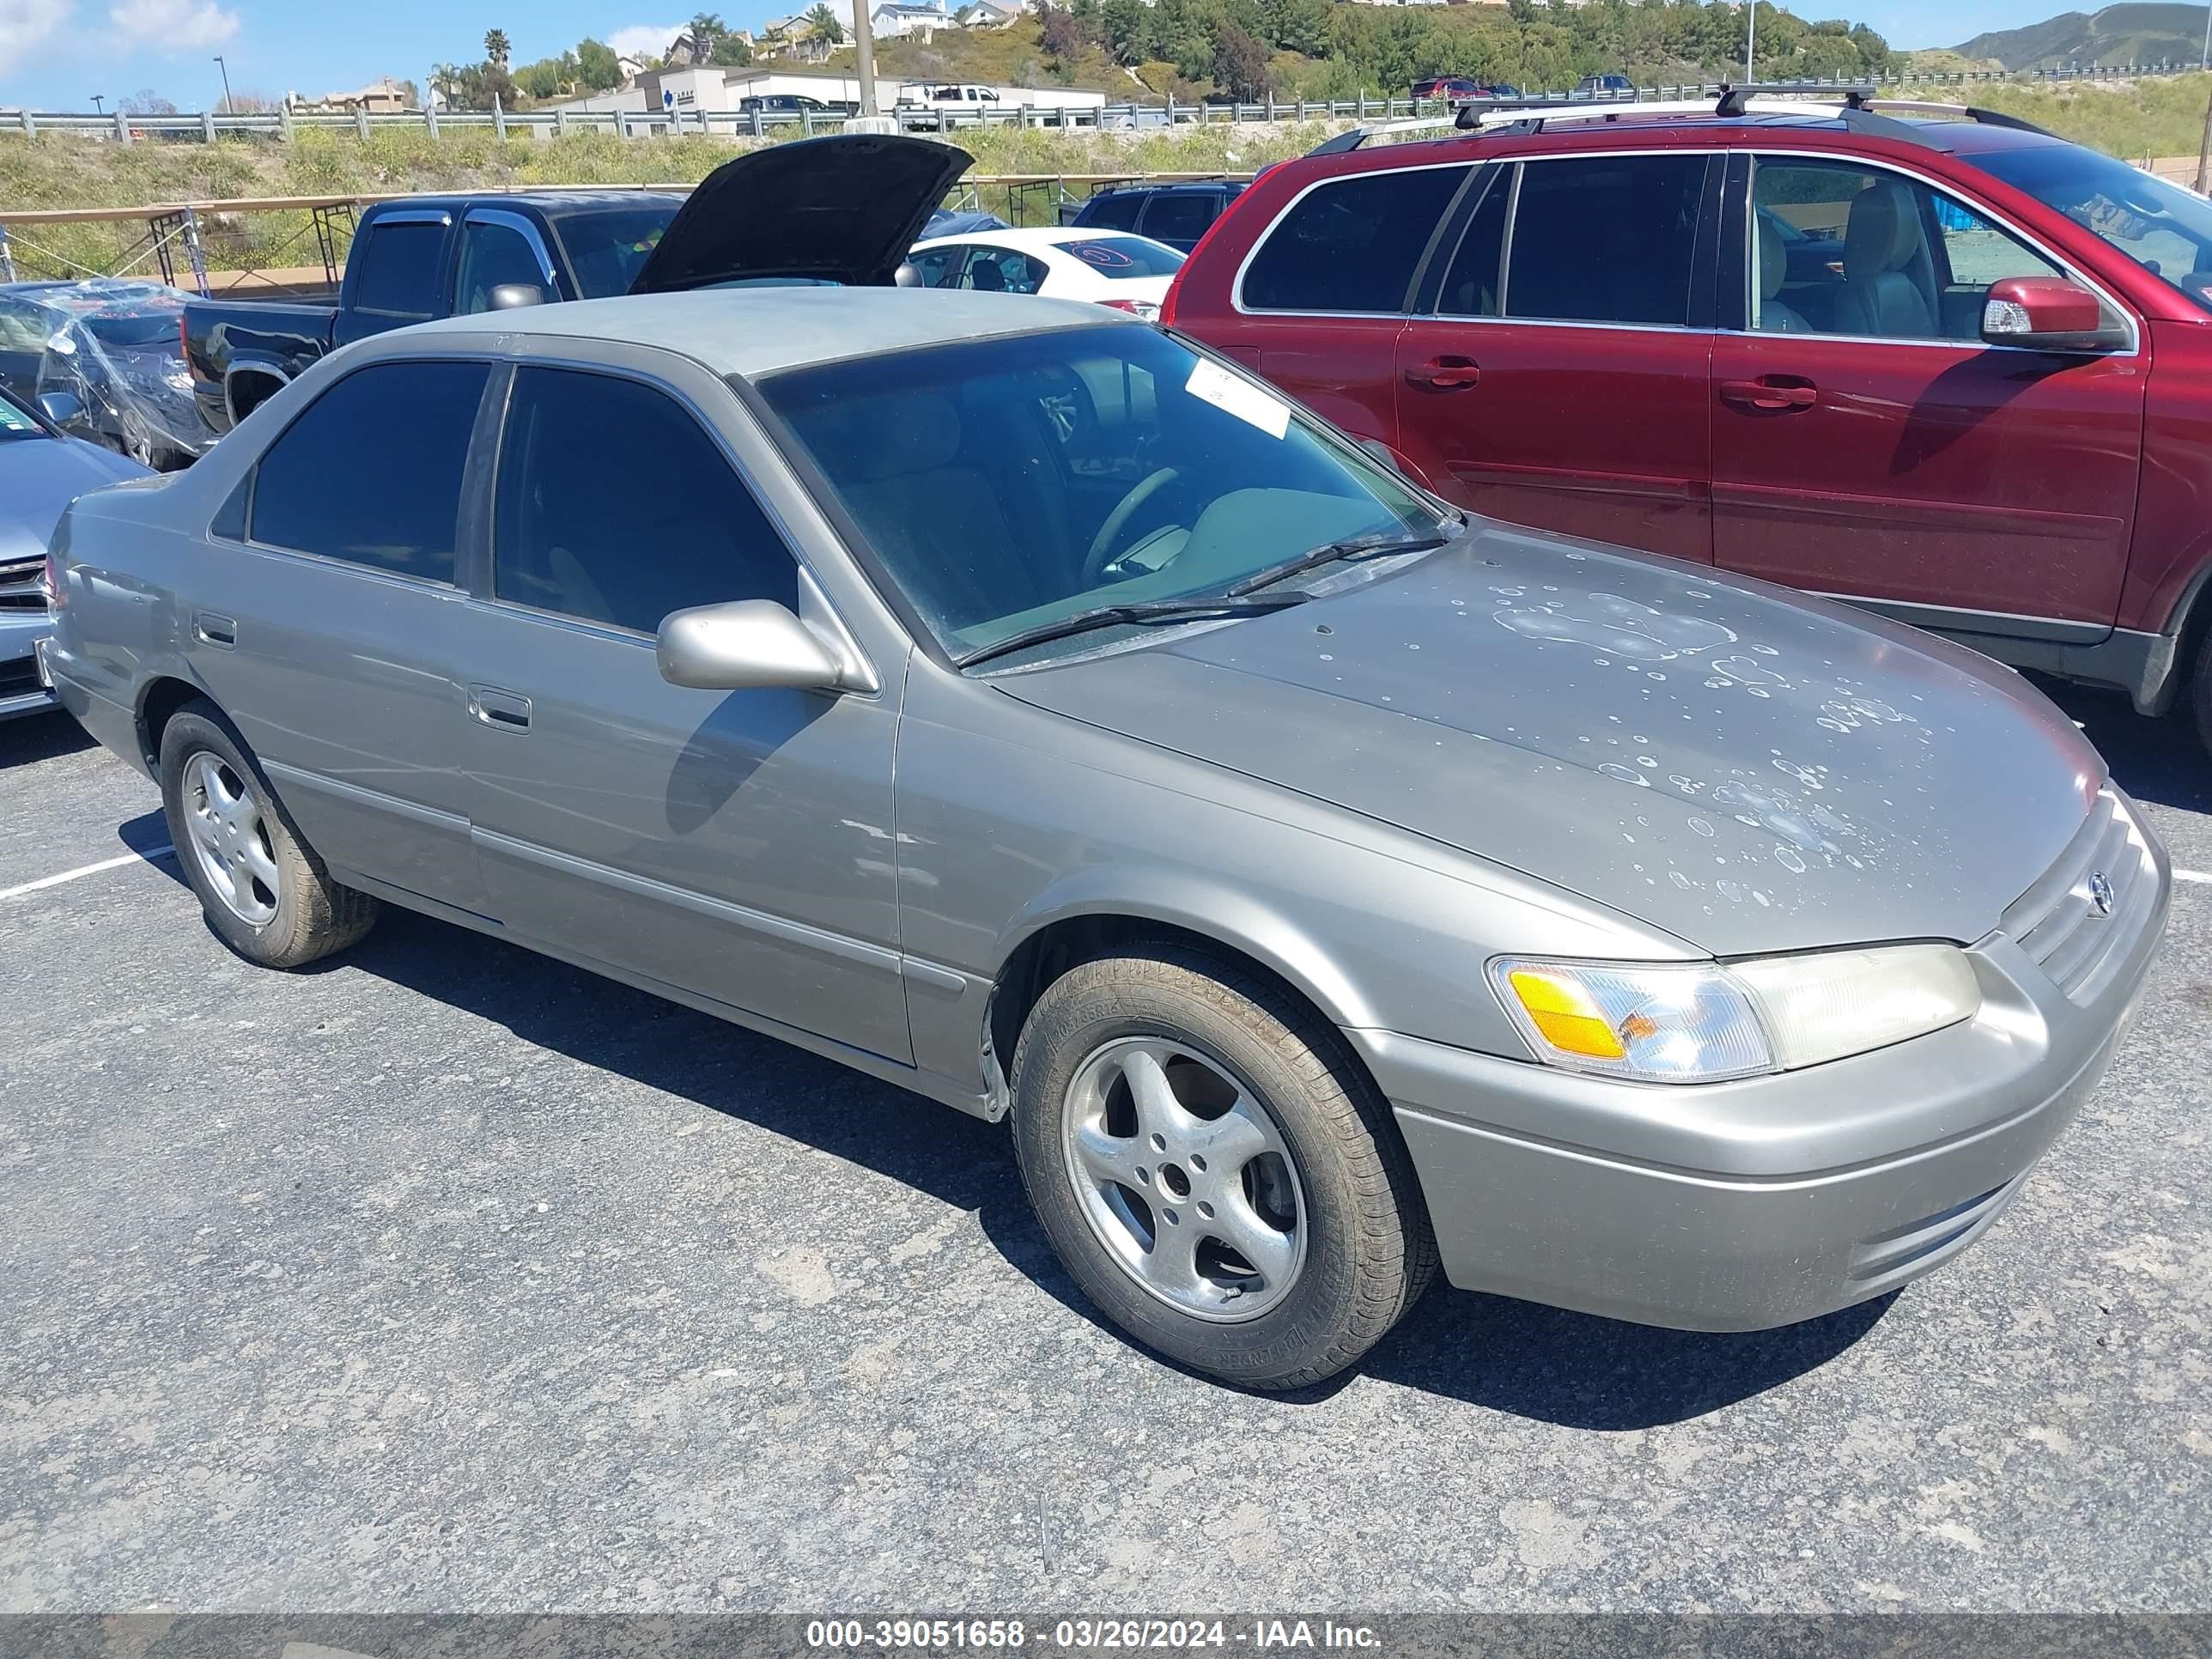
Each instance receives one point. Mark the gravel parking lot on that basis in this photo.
(446, 1277)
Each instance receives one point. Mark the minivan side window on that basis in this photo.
(1178, 216)
(395, 268)
(615, 507)
(1350, 244)
(1844, 249)
(1113, 210)
(371, 474)
(1576, 221)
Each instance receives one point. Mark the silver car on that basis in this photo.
(1027, 707)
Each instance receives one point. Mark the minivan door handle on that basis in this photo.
(504, 711)
(1772, 393)
(1446, 373)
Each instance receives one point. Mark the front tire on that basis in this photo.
(1213, 1168)
(265, 893)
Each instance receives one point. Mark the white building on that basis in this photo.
(713, 91)
(894, 19)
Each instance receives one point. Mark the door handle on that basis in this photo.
(1776, 393)
(1446, 373)
(502, 711)
(211, 630)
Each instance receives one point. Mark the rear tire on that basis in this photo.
(267, 895)
(1214, 1167)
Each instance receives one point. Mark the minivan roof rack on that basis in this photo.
(1857, 107)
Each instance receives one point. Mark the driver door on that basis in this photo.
(1867, 443)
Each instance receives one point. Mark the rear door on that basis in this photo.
(735, 844)
(1557, 375)
(335, 630)
(1868, 444)
(1322, 298)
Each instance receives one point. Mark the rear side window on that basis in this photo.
(614, 506)
(1475, 276)
(1004, 271)
(1123, 255)
(395, 269)
(371, 472)
(1351, 245)
(1179, 215)
(1115, 210)
(1605, 239)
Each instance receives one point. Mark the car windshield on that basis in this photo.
(608, 247)
(2164, 229)
(1008, 484)
(1124, 256)
(136, 332)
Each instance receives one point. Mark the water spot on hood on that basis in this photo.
(1789, 859)
(1703, 826)
(1775, 813)
(1611, 623)
(1730, 889)
(1625, 774)
(1679, 879)
(1744, 671)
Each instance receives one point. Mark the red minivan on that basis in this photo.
(1934, 360)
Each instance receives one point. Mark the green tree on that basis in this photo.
(597, 70)
(496, 47)
(1240, 64)
(730, 52)
(824, 24)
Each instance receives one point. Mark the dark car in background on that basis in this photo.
(42, 470)
(105, 358)
(794, 103)
(1177, 214)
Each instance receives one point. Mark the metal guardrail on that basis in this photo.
(208, 127)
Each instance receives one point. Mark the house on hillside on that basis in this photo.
(895, 19)
(385, 97)
(987, 14)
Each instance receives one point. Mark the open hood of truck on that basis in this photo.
(840, 210)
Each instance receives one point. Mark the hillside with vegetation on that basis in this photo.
(2118, 34)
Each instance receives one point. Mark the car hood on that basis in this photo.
(1750, 770)
(843, 210)
(39, 476)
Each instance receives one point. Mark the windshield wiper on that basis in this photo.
(1137, 611)
(1358, 547)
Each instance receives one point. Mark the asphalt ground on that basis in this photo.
(446, 1277)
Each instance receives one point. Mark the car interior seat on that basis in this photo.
(1888, 289)
(1774, 316)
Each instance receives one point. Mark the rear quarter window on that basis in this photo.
(1113, 211)
(395, 268)
(1350, 244)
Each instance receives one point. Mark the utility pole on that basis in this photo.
(1750, 42)
(2204, 151)
(863, 54)
(225, 68)
(2206, 62)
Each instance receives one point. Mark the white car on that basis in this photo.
(1111, 267)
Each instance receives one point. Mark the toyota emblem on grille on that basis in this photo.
(2100, 893)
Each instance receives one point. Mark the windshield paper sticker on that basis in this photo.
(13, 419)
(1218, 386)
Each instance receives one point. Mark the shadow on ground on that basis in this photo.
(2159, 759)
(1509, 1356)
(32, 737)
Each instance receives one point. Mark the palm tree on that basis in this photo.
(496, 47)
(824, 24)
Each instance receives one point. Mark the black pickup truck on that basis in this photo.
(425, 257)
(835, 209)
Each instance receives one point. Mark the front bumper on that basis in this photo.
(1746, 1205)
(22, 688)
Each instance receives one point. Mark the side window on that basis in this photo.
(1351, 245)
(1004, 271)
(1839, 248)
(1605, 239)
(1113, 210)
(1178, 216)
(1476, 274)
(492, 254)
(940, 266)
(614, 506)
(371, 472)
(20, 329)
(397, 269)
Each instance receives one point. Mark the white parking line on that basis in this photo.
(2192, 875)
(145, 857)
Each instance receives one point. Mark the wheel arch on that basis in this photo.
(1087, 921)
(159, 700)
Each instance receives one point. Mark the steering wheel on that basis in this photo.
(1102, 544)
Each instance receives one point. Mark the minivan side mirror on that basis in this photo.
(2049, 313)
(746, 645)
(513, 296)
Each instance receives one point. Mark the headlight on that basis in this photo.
(1701, 1022)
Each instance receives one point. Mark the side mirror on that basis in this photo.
(2049, 313)
(908, 274)
(63, 409)
(743, 646)
(511, 296)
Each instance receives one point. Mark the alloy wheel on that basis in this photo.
(229, 841)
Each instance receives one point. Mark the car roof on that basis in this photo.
(553, 203)
(761, 331)
(1958, 134)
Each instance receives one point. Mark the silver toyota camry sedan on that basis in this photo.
(1028, 707)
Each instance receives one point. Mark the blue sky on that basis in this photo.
(54, 54)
